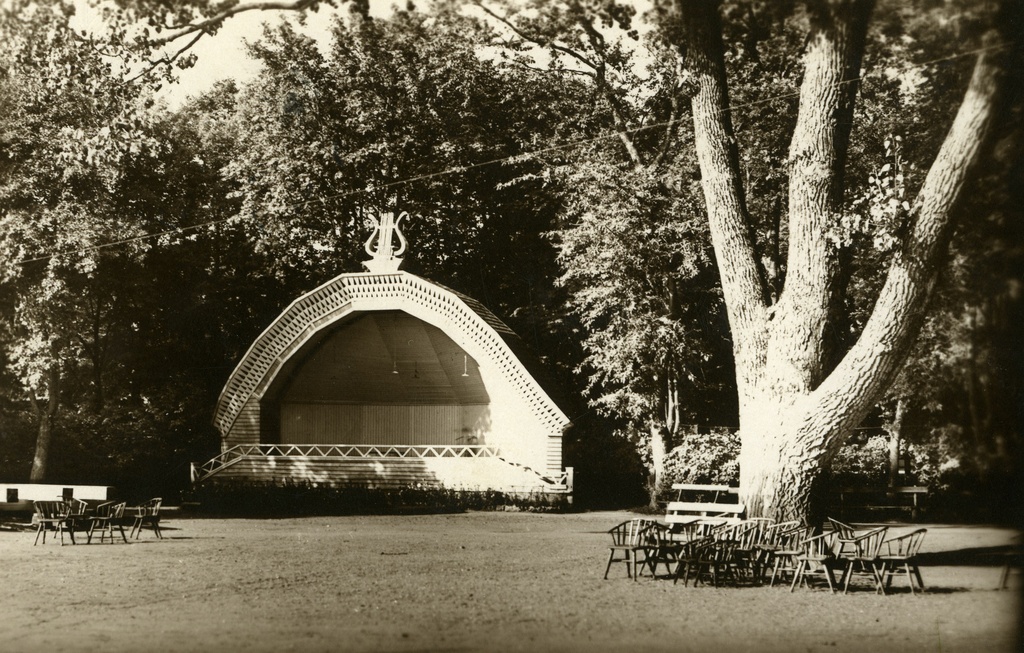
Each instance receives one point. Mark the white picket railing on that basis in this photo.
(200, 472)
(326, 451)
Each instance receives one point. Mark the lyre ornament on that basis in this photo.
(380, 245)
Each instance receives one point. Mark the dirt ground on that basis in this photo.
(469, 582)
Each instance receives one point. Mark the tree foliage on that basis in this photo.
(69, 128)
(403, 114)
(512, 132)
(637, 264)
(633, 248)
(104, 217)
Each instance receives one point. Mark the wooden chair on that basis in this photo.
(664, 548)
(713, 557)
(695, 530)
(632, 540)
(817, 556)
(694, 557)
(76, 507)
(766, 542)
(787, 548)
(770, 537)
(863, 557)
(52, 515)
(685, 537)
(108, 516)
(77, 513)
(899, 554)
(746, 555)
(740, 542)
(845, 533)
(1011, 561)
(724, 563)
(98, 517)
(148, 514)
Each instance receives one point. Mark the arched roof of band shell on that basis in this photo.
(464, 319)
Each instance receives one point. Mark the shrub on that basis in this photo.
(711, 457)
(862, 463)
(291, 499)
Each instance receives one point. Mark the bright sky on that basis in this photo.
(222, 56)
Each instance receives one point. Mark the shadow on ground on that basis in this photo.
(985, 556)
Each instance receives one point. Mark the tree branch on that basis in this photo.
(536, 40)
(743, 286)
(597, 42)
(153, 64)
(811, 297)
(599, 69)
(213, 23)
(670, 127)
(874, 360)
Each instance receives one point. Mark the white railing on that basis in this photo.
(561, 483)
(326, 451)
(565, 481)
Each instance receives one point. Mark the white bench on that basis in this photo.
(20, 497)
(687, 512)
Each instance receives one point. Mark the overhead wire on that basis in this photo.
(480, 164)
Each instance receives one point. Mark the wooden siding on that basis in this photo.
(330, 423)
(247, 427)
(554, 455)
(382, 357)
(320, 424)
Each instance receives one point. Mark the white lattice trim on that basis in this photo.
(399, 291)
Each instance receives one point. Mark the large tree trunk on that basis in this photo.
(795, 409)
(743, 284)
(781, 471)
(813, 424)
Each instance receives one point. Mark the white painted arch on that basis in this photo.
(528, 424)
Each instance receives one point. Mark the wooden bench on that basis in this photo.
(895, 498)
(687, 512)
